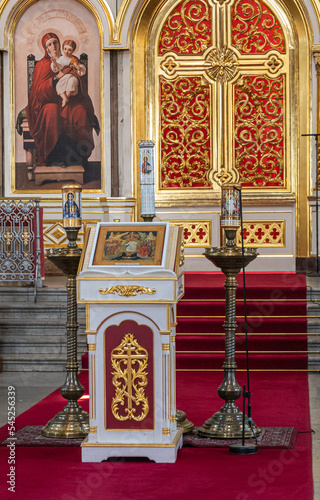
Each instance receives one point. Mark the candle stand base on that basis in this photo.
(71, 422)
(183, 422)
(243, 449)
(228, 425)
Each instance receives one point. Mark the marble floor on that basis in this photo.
(30, 388)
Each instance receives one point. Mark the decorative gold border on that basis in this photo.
(258, 245)
(173, 444)
(184, 223)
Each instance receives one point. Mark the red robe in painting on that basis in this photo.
(48, 120)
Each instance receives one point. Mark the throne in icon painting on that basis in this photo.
(36, 172)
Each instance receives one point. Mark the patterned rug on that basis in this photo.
(271, 437)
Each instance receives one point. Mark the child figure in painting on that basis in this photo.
(72, 70)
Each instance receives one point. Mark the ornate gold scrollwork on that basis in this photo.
(187, 29)
(259, 130)
(127, 290)
(255, 28)
(223, 64)
(185, 132)
(129, 362)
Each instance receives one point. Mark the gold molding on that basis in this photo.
(92, 347)
(127, 290)
(93, 430)
(166, 431)
(134, 445)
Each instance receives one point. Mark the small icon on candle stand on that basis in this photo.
(71, 205)
(230, 206)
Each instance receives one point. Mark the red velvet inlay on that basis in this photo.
(114, 335)
(187, 29)
(259, 131)
(255, 29)
(185, 133)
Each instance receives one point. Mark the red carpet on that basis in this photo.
(277, 323)
(279, 400)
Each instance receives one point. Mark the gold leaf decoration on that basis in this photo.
(127, 290)
(129, 377)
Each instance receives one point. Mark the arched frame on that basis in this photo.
(11, 13)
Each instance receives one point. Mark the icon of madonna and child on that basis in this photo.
(130, 246)
(60, 112)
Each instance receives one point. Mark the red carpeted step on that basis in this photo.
(258, 342)
(211, 361)
(254, 308)
(262, 285)
(255, 325)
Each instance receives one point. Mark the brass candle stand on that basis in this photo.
(72, 421)
(227, 423)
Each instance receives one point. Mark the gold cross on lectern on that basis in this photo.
(129, 362)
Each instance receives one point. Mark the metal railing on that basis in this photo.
(20, 250)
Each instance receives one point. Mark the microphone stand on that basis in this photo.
(316, 136)
(244, 448)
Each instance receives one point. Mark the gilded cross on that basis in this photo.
(128, 353)
(222, 65)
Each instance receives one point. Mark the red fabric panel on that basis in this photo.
(185, 133)
(114, 335)
(187, 29)
(260, 157)
(255, 28)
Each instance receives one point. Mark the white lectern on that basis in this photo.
(131, 278)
